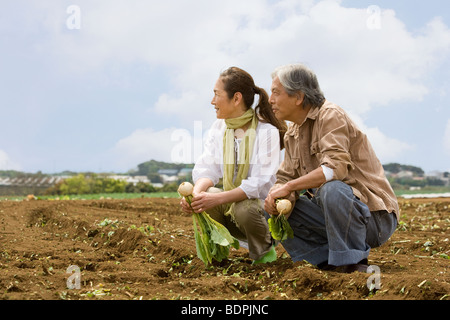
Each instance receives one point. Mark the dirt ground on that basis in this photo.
(144, 249)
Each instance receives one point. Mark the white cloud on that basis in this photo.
(143, 145)
(170, 145)
(358, 68)
(192, 41)
(387, 149)
(363, 68)
(184, 106)
(6, 163)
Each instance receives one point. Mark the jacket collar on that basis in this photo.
(294, 128)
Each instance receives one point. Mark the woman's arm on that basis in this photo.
(202, 185)
(207, 200)
(203, 200)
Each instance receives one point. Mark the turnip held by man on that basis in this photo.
(349, 205)
(278, 225)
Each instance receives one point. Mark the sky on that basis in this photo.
(103, 86)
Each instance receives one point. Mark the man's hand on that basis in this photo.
(270, 206)
(275, 193)
(281, 192)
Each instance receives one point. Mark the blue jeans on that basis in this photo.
(337, 227)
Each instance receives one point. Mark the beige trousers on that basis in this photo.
(247, 224)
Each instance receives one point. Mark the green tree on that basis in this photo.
(75, 185)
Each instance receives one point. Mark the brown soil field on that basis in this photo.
(144, 249)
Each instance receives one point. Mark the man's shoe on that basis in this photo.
(325, 266)
(361, 266)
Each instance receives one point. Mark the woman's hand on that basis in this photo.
(205, 201)
(185, 206)
(200, 202)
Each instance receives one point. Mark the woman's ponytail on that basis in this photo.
(238, 80)
(265, 112)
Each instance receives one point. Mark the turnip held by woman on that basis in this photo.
(243, 148)
(212, 240)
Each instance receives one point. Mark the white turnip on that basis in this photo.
(284, 206)
(212, 239)
(279, 226)
(185, 189)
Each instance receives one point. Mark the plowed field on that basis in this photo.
(144, 249)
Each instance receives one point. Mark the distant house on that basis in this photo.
(443, 176)
(405, 174)
(168, 172)
(44, 182)
(131, 179)
(435, 174)
(185, 172)
(27, 185)
(168, 175)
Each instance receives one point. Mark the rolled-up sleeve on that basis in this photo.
(334, 144)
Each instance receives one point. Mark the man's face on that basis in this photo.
(284, 106)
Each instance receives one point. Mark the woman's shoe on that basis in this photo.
(270, 256)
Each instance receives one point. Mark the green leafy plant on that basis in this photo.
(212, 239)
(279, 226)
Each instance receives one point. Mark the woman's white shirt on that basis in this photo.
(264, 163)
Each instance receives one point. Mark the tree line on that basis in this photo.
(92, 183)
(95, 184)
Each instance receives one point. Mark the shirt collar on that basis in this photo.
(294, 128)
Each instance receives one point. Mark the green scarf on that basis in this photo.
(245, 154)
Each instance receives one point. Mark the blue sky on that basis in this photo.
(106, 85)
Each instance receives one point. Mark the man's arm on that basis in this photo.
(314, 179)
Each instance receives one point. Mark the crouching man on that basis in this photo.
(343, 203)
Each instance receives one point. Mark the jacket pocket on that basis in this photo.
(314, 148)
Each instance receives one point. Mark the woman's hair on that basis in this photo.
(297, 77)
(238, 80)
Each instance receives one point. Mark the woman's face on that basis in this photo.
(226, 108)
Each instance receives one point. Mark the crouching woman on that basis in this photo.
(243, 149)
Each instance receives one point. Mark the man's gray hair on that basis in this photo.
(297, 77)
